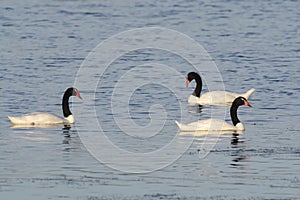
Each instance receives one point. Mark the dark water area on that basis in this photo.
(253, 44)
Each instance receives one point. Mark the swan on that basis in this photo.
(218, 124)
(40, 118)
(213, 97)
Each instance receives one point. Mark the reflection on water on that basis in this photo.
(235, 139)
(39, 132)
(238, 153)
(195, 109)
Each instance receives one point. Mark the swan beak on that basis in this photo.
(78, 95)
(187, 82)
(247, 104)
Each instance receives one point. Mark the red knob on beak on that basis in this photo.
(187, 82)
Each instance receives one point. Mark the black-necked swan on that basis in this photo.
(218, 124)
(213, 97)
(40, 118)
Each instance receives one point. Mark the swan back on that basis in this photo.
(209, 125)
(36, 118)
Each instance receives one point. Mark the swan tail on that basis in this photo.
(249, 93)
(178, 124)
(16, 120)
(12, 119)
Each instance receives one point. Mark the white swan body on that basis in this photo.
(218, 97)
(210, 125)
(213, 97)
(218, 124)
(40, 118)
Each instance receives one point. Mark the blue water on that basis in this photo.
(253, 43)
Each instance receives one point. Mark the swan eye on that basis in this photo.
(75, 92)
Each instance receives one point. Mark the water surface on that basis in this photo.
(254, 44)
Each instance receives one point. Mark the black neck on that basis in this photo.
(198, 80)
(65, 102)
(233, 113)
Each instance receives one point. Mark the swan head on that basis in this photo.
(71, 92)
(76, 93)
(239, 101)
(65, 102)
(191, 76)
